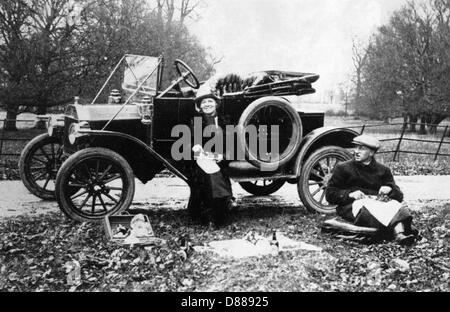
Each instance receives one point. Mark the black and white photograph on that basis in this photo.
(224, 150)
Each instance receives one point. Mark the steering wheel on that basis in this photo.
(187, 74)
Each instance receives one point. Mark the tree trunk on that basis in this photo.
(423, 123)
(413, 121)
(436, 119)
(10, 122)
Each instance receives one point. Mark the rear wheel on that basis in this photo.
(262, 187)
(315, 175)
(105, 181)
(39, 163)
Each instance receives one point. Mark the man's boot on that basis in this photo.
(400, 237)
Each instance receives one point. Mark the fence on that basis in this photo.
(12, 143)
(440, 142)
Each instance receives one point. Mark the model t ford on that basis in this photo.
(106, 146)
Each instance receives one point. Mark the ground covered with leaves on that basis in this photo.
(34, 250)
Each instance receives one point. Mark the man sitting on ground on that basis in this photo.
(363, 176)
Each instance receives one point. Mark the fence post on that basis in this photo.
(3, 136)
(400, 141)
(440, 144)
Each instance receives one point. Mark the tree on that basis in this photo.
(379, 78)
(410, 56)
(359, 57)
(51, 50)
(135, 26)
(14, 56)
(37, 53)
(345, 95)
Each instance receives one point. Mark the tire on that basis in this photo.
(272, 110)
(46, 152)
(313, 182)
(262, 190)
(92, 170)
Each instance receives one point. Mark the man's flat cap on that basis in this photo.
(368, 141)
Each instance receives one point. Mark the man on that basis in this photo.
(356, 179)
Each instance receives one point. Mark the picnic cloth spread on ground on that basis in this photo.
(260, 246)
(384, 212)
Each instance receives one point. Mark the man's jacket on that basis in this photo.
(351, 175)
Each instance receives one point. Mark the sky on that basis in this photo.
(296, 35)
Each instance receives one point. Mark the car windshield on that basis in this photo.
(137, 69)
(138, 76)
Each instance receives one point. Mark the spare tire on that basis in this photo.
(270, 111)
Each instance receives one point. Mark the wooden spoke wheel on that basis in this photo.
(315, 175)
(39, 163)
(262, 187)
(105, 183)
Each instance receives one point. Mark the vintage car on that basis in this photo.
(89, 159)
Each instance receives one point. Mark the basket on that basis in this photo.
(114, 223)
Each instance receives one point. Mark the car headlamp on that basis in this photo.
(146, 110)
(74, 130)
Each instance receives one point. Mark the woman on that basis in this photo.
(211, 193)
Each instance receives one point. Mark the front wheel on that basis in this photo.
(105, 183)
(315, 175)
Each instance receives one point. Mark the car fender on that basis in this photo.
(320, 137)
(134, 147)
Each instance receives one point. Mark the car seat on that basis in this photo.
(232, 83)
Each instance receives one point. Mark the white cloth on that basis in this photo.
(242, 248)
(205, 161)
(207, 164)
(384, 212)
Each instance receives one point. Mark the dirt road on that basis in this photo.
(173, 193)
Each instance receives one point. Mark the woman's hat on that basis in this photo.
(205, 91)
(368, 141)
